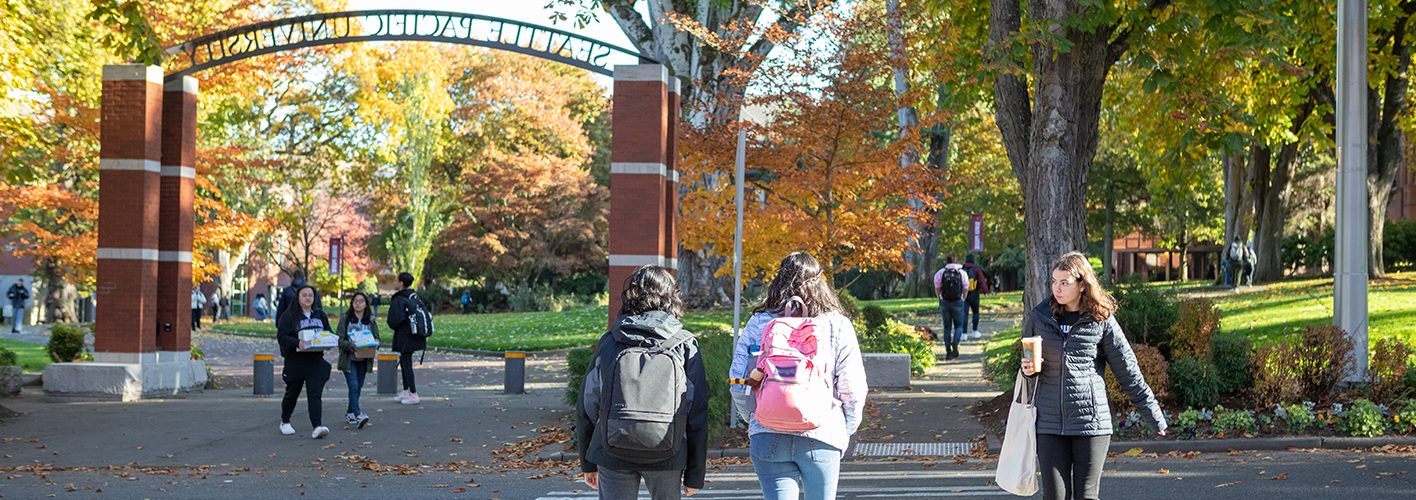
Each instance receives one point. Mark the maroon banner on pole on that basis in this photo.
(335, 245)
(976, 233)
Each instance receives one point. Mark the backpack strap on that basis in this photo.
(801, 308)
(676, 339)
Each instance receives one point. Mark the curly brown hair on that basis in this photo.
(1095, 302)
(651, 288)
(799, 275)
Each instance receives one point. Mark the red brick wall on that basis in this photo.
(642, 205)
(174, 274)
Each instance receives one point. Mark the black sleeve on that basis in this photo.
(397, 312)
(697, 419)
(286, 333)
(584, 422)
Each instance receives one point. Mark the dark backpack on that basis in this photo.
(952, 286)
(420, 319)
(644, 402)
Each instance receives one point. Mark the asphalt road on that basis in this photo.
(1243, 476)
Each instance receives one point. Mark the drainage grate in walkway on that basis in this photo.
(921, 449)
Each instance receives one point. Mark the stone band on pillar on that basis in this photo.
(639, 164)
(174, 268)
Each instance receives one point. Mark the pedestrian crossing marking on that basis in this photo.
(917, 449)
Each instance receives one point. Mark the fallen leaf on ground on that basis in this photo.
(1228, 484)
(1280, 476)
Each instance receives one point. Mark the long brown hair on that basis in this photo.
(799, 275)
(651, 288)
(1095, 302)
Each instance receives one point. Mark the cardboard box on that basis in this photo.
(366, 352)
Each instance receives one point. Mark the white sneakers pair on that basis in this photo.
(408, 398)
(319, 432)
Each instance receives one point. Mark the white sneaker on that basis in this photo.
(350, 418)
(401, 396)
(412, 399)
(363, 419)
(286, 429)
(977, 335)
(320, 432)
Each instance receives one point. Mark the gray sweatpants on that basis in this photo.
(624, 484)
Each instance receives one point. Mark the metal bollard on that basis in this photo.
(515, 373)
(387, 368)
(263, 374)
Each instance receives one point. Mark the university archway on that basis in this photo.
(147, 179)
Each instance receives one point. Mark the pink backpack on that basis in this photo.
(795, 395)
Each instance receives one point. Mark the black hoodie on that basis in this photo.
(647, 329)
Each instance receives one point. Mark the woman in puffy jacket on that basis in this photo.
(1080, 336)
(808, 461)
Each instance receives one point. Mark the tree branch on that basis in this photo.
(634, 26)
(1122, 43)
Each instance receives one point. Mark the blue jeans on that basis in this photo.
(788, 464)
(956, 315)
(354, 378)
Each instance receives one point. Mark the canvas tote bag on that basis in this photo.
(1017, 462)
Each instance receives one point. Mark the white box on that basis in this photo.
(317, 340)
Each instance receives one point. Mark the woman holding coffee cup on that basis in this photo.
(1077, 331)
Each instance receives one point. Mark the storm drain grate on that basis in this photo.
(920, 449)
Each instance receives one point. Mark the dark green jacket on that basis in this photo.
(346, 346)
(1071, 393)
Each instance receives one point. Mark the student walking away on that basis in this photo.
(411, 322)
(357, 320)
(978, 285)
(1250, 260)
(951, 285)
(302, 369)
(466, 303)
(797, 443)
(287, 296)
(198, 302)
(643, 411)
(215, 305)
(17, 294)
(1079, 332)
(259, 306)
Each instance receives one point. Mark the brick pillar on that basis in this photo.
(174, 241)
(671, 185)
(641, 218)
(129, 159)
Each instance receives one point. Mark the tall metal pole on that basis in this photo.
(737, 252)
(1350, 276)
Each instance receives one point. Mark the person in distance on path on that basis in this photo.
(1079, 331)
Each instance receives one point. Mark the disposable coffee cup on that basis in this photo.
(1032, 349)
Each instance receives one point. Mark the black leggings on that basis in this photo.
(1071, 465)
(973, 308)
(312, 377)
(405, 364)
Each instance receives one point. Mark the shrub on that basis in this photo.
(583, 283)
(848, 303)
(577, 362)
(898, 337)
(1399, 243)
(1364, 419)
(1194, 381)
(66, 343)
(8, 357)
(875, 319)
(1153, 368)
(1405, 418)
(1005, 365)
(539, 298)
(1233, 360)
(1386, 375)
(1276, 375)
(1324, 358)
(1196, 326)
(1236, 420)
(1189, 419)
(1299, 417)
(1145, 315)
(716, 346)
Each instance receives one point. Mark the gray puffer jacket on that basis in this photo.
(1071, 393)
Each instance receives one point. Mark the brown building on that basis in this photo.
(1403, 196)
(1137, 254)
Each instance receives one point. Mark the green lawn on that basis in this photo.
(1281, 311)
(997, 302)
(32, 357)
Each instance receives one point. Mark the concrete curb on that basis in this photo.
(569, 456)
(451, 350)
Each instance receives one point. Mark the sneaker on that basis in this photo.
(350, 418)
(412, 399)
(286, 429)
(362, 419)
(320, 432)
(401, 396)
(977, 334)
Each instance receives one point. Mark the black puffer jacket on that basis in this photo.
(404, 340)
(1071, 394)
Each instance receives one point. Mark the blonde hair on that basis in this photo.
(1095, 302)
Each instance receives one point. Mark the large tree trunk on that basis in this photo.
(1051, 137)
(1386, 145)
(59, 296)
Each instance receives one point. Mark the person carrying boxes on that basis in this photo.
(302, 333)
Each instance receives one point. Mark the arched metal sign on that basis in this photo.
(389, 25)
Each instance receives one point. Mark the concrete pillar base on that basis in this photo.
(156, 375)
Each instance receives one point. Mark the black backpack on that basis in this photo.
(952, 286)
(644, 402)
(420, 319)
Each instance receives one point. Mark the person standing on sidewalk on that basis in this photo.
(259, 305)
(648, 321)
(302, 369)
(405, 343)
(807, 461)
(198, 302)
(287, 296)
(358, 318)
(1079, 331)
(950, 286)
(978, 285)
(17, 294)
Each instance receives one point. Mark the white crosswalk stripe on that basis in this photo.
(948, 486)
